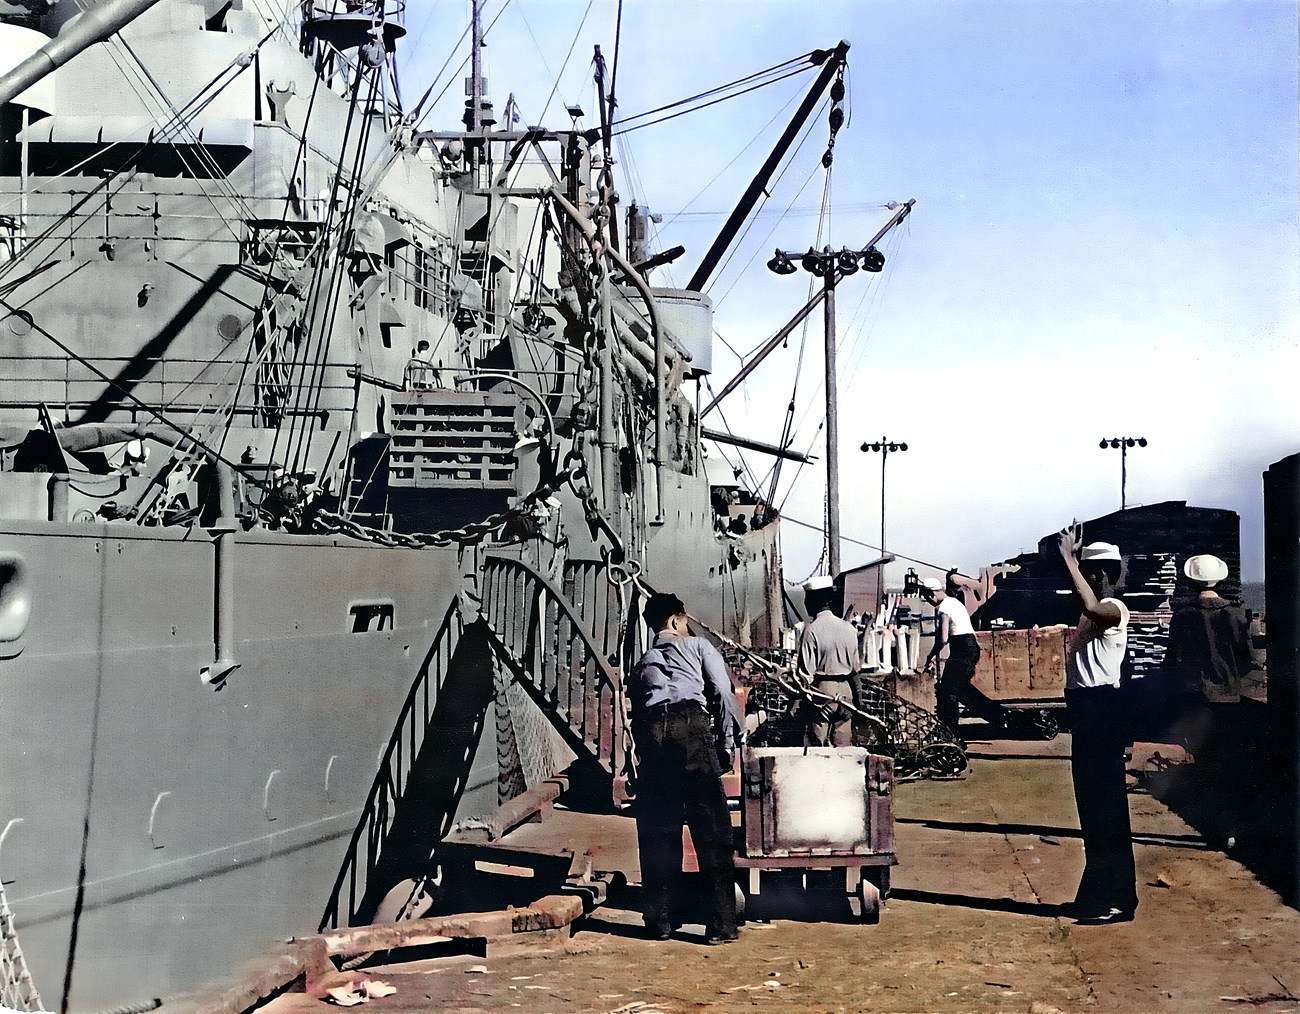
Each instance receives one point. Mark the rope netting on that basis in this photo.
(884, 723)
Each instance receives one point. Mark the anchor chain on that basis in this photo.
(333, 523)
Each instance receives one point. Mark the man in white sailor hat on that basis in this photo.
(1094, 654)
(1208, 653)
(828, 658)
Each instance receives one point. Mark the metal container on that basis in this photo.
(817, 801)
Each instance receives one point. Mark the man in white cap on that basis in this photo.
(954, 630)
(828, 658)
(1209, 651)
(1094, 655)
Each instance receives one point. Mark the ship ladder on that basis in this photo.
(17, 991)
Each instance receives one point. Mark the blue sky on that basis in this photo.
(1104, 240)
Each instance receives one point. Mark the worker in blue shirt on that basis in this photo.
(686, 725)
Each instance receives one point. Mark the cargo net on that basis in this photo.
(17, 991)
(921, 745)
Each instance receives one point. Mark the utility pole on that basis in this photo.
(832, 430)
(1123, 443)
(884, 446)
(830, 265)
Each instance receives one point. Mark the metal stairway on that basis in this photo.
(17, 991)
(375, 844)
(529, 630)
(559, 650)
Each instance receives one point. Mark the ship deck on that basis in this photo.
(975, 923)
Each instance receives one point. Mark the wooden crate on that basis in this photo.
(1021, 665)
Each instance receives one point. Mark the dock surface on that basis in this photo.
(975, 924)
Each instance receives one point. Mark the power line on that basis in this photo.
(868, 545)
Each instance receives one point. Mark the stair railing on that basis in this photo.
(390, 782)
(542, 638)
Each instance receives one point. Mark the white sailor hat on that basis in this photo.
(1095, 552)
(819, 582)
(1205, 569)
(932, 584)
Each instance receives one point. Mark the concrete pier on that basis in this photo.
(975, 923)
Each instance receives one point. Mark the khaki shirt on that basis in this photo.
(828, 648)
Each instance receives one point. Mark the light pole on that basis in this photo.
(1123, 443)
(884, 446)
(830, 266)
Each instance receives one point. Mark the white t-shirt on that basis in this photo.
(1093, 656)
(958, 618)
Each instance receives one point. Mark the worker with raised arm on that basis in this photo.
(1094, 654)
(953, 629)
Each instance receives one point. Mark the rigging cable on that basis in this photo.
(126, 392)
(782, 67)
(312, 303)
(265, 311)
(877, 301)
(419, 117)
(313, 386)
(178, 118)
(541, 54)
(198, 102)
(893, 241)
(706, 105)
(843, 339)
(567, 56)
(788, 423)
(868, 545)
(734, 159)
(739, 452)
(749, 224)
(613, 72)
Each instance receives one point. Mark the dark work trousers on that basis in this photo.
(1146, 705)
(1100, 731)
(679, 779)
(954, 685)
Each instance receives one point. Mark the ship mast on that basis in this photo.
(474, 114)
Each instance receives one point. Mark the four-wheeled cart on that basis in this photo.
(818, 809)
(1023, 672)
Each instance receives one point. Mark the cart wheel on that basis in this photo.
(1045, 724)
(880, 877)
(740, 906)
(869, 901)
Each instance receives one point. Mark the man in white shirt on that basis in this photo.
(954, 630)
(1094, 655)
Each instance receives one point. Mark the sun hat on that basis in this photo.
(1205, 569)
(1096, 552)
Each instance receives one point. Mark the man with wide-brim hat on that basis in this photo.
(1208, 652)
(828, 657)
(1094, 656)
